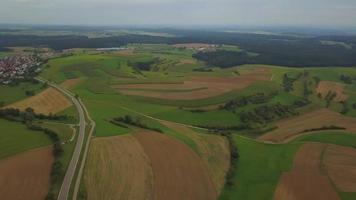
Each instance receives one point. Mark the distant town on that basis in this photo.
(17, 67)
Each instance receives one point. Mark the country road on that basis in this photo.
(65, 188)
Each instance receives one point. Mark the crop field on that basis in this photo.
(46, 102)
(26, 175)
(340, 165)
(118, 168)
(289, 128)
(213, 149)
(194, 87)
(191, 177)
(71, 83)
(293, 184)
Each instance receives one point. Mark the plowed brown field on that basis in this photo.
(213, 149)
(46, 102)
(178, 172)
(292, 127)
(70, 83)
(27, 175)
(305, 181)
(325, 87)
(118, 168)
(203, 87)
(340, 164)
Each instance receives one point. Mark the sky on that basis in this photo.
(311, 13)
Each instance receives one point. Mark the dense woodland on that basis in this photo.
(285, 50)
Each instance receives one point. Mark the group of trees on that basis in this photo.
(289, 81)
(347, 79)
(267, 113)
(257, 98)
(27, 117)
(281, 50)
(144, 65)
(134, 121)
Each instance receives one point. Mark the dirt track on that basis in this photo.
(294, 126)
(46, 102)
(26, 175)
(178, 172)
(305, 181)
(118, 168)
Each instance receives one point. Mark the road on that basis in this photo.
(65, 188)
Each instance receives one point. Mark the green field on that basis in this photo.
(330, 137)
(258, 169)
(11, 94)
(16, 138)
(260, 165)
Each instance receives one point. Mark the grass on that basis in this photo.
(332, 137)
(16, 138)
(258, 169)
(11, 94)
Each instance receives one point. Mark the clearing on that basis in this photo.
(118, 168)
(179, 173)
(325, 87)
(27, 175)
(292, 127)
(50, 101)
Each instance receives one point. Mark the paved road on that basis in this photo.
(65, 188)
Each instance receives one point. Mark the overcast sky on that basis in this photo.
(330, 13)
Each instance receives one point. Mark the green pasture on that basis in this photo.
(16, 138)
(10, 94)
(258, 169)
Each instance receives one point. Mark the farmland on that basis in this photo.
(26, 175)
(218, 132)
(49, 101)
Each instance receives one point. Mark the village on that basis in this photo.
(17, 67)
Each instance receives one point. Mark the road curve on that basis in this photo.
(65, 188)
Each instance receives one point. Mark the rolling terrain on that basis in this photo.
(171, 125)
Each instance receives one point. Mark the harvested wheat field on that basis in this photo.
(178, 171)
(305, 181)
(325, 87)
(118, 168)
(340, 164)
(290, 128)
(193, 87)
(213, 149)
(26, 175)
(46, 102)
(70, 83)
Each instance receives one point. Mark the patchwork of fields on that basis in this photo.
(170, 127)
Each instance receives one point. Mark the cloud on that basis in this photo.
(181, 12)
